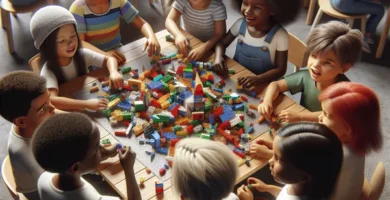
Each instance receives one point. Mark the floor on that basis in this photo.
(372, 72)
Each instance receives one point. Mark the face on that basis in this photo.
(40, 110)
(256, 12)
(333, 122)
(93, 157)
(325, 66)
(66, 40)
(282, 171)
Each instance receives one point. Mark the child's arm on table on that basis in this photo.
(127, 159)
(273, 91)
(262, 149)
(116, 78)
(171, 23)
(271, 75)
(289, 116)
(262, 187)
(147, 31)
(219, 32)
(64, 103)
(219, 64)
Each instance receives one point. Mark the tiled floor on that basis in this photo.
(370, 71)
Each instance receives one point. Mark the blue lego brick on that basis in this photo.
(188, 75)
(238, 106)
(158, 78)
(156, 137)
(211, 119)
(218, 90)
(226, 117)
(251, 129)
(162, 151)
(238, 150)
(106, 89)
(172, 106)
(159, 185)
(151, 142)
(185, 94)
(124, 105)
(182, 112)
(153, 85)
(169, 136)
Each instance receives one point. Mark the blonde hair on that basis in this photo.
(203, 169)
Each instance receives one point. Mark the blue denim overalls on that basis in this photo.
(255, 59)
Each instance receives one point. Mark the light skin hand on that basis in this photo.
(96, 104)
(244, 193)
(289, 116)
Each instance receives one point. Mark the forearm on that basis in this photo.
(112, 65)
(133, 192)
(309, 116)
(64, 103)
(147, 31)
(212, 42)
(219, 50)
(92, 47)
(272, 92)
(273, 189)
(172, 27)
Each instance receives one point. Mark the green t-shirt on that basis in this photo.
(301, 82)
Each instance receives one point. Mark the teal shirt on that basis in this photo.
(301, 82)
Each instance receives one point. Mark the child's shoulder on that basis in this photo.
(77, 6)
(216, 3)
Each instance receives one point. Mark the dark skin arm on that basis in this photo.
(271, 75)
(219, 64)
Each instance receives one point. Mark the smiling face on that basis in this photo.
(325, 66)
(67, 41)
(256, 12)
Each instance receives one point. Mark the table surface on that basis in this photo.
(111, 169)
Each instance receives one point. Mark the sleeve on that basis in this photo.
(92, 58)
(219, 13)
(282, 40)
(78, 13)
(179, 5)
(51, 79)
(128, 12)
(295, 81)
(236, 27)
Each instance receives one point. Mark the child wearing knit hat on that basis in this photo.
(53, 29)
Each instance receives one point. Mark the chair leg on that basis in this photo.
(350, 23)
(6, 20)
(382, 41)
(306, 3)
(310, 12)
(363, 24)
(317, 19)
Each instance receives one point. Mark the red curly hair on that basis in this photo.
(359, 107)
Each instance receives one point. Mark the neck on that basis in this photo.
(64, 61)
(324, 84)
(24, 132)
(201, 6)
(265, 28)
(299, 189)
(67, 181)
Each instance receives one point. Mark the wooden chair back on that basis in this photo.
(35, 63)
(297, 52)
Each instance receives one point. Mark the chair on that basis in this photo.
(7, 9)
(326, 7)
(297, 52)
(384, 34)
(8, 177)
(372, 190)
(35, 63)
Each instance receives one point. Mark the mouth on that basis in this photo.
(70, 50)
(315, 73)
(250, 19)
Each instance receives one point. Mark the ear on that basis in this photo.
(21, 122)
(75, 167)
(346, 67)
(347, 131)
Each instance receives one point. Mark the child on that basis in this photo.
(204, 19)
(307, 158)
(53, 29)
(262, 42)
(352, 111)
(204, 169)
(333, 49)
(25, 102)
(67, 152)
(98, 25)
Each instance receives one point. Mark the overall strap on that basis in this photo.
(242, 30)
(272, 32)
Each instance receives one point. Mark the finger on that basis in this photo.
(146, 44)
(121, 57)
(240, 189)
(150, 50)
(251, 180)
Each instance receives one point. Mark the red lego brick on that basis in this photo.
(242, 155)
(155, 103)
(190, 129)
(244, 98)
(174, 141)
(162, 171)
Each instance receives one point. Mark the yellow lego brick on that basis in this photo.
(165, 105)
(164, 98)
(138, 130)
(102, 94)
(113, 103)
(105, 83)
(181, 133)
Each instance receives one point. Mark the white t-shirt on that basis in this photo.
(47, 191)
(231, 196)
(24, 167)
(283, 195)
(200, 23)
(351, 178)
(279, 42)
(91, 58)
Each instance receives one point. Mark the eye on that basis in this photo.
(73, 36)
(61, 41)
(313, 55)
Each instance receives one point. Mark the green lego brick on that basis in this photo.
(107, 112)
(177, 128)
(113, 96)
(125, 70)
(127, 115)
(189, 70)
(232, 71)
(195, 122)
(208, 84)
(167, 78)
(205, 136)
(106, 141)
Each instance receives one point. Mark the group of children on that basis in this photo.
(314, 159)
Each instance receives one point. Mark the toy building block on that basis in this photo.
(141, 182)
(159, 187)
(113, 103)
(130, 128)
(105, 83)
(106, 142)
(239, 152)
(261, 120)
(247, 162)
(125, 70)
(166, 166)
(148, 171)
(139, 106)
(154, 85)
(124, 105)
(138, 130)
(162, 171)
(232, 71)
(93, 89)
(120, 133)
(162, 151)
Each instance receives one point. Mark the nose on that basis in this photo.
(51, 108)
(320, 118)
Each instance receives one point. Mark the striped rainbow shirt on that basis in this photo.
(102, 30)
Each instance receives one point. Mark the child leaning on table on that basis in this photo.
(98, 26)
(262, 42)
(54, 31)
(67, 152)
(25, 102)
(204, 19)
(307, 158)
(204, 169)
(333, 49)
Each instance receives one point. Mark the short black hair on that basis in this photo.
(62, 140)
(17, 90)
(285, 10)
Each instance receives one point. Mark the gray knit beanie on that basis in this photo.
(48, 19)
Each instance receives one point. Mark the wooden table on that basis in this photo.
(111, 169)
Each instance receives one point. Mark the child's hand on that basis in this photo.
(244, 193)
(127, 159)
(154, 46)
(261, 151)
(265, 109)
(219, 65)
(120, 58)
(288, 116)
(248, 82)
(258, 184)
(183, 44)
(108, 152)
(196, 53)
(96, 104)
(266, 143)
(116, 80)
